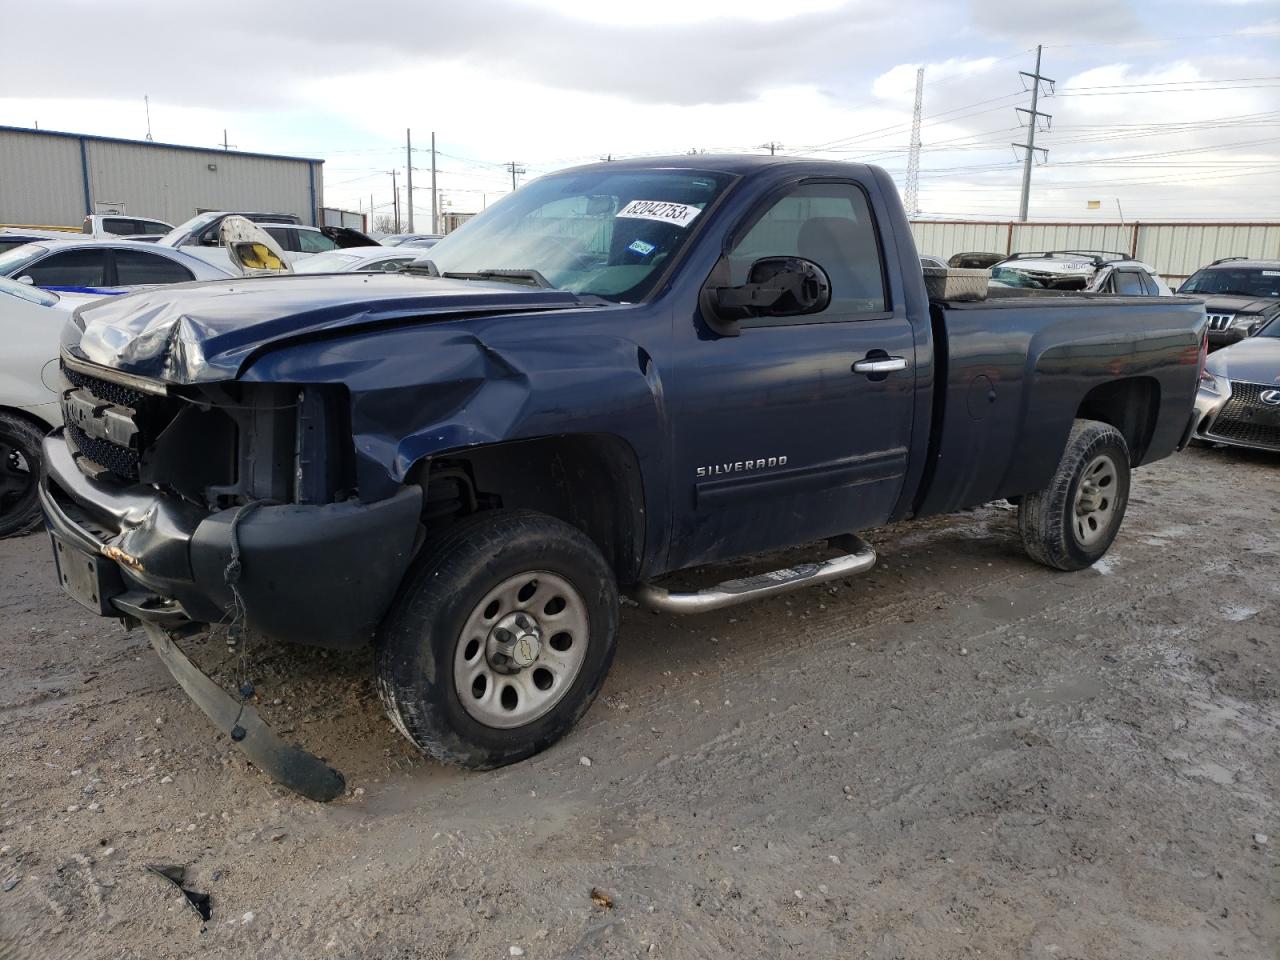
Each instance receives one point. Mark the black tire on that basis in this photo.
(19, 475)
(420, 638)
(1052, 531)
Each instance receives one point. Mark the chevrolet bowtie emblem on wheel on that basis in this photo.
(1271, 396)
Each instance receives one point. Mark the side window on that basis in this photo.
(153, 226)
(281, 236)
(1149, 284)
(312, 241)
(830, 224)
(135, 267)
(118, 226)
(1129, 283)
(72, 268)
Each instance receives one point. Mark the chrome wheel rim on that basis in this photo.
(521, 649)
(1095, 504)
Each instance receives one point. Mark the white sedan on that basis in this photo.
(31, 323)
(377, 259)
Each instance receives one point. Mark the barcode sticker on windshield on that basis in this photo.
(681, 214)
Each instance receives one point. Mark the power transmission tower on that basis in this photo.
(435, 203)
(1033, 116)
(515, 168)
(408, 173)
(395, 200)
(911, 197)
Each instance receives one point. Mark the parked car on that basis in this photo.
(375, 259)
(1241, 295)
(1086, 271)
(11, 237)
(201, 237)
(975, 261)
(103, 266)
(105, 226)
(395, 239)
(31, 322)
(614, 373)
(1238, 403)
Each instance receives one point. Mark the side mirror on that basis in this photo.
(775, 287)
(27, 280)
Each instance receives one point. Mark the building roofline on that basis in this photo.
(151, 143)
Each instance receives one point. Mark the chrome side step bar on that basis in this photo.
(859, 558)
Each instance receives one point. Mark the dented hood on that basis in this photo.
(204, 332)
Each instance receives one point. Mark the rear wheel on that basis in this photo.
(1072, 522)
(500, 639)
(19, 475)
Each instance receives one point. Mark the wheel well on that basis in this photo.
(1131, 406)
(590, 481)
(41, 425)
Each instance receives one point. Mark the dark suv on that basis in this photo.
(1240, 296)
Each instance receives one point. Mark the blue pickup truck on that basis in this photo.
(617, 372)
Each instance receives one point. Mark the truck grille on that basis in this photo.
(1220, 321)
(104, 422)
(1246, 419)
(121, 461)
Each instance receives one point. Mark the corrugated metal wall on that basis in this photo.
(43, 179)
(1176, 250)
(40, 180)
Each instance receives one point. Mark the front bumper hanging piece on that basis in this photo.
(288, 765)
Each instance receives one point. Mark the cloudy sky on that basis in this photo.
(1170, 110)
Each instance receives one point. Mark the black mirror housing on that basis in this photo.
(776, 287)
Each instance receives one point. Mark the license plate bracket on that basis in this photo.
(89, 579)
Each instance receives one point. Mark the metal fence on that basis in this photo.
(1176, 250)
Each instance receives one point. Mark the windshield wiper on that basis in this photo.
(529, 278)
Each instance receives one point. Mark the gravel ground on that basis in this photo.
(960, 754)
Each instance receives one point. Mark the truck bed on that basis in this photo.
(1013, 373)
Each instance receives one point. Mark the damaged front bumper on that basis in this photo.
(321, 575)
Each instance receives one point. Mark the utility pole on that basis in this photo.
(911, 195)
(395, 201)
(515, 168)
(1033, 116)
(408, 172)
(435, 202)
(772, 147)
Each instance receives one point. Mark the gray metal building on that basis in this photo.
(49, 178)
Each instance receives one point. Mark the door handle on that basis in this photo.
(880, 365)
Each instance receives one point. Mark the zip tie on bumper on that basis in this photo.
(289, 765)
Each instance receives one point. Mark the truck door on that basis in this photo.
(798, 428)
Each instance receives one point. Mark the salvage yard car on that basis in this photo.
(201, 237)
(616, 372)
(31, 322)
(1241, 296)
(1082, 271)
(103, 266)
(1239, 399)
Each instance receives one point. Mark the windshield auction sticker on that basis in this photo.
(681, 214)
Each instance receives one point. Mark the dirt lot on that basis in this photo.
(958, 755)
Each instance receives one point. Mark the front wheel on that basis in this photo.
(19, 475)
(1071, 523)
(500, 639)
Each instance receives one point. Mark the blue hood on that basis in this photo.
(203, 332)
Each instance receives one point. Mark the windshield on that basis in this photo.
(194, 225)
(24, 291)
(11, 261)
(334, 261)
(602, 233)
(1235, 281)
